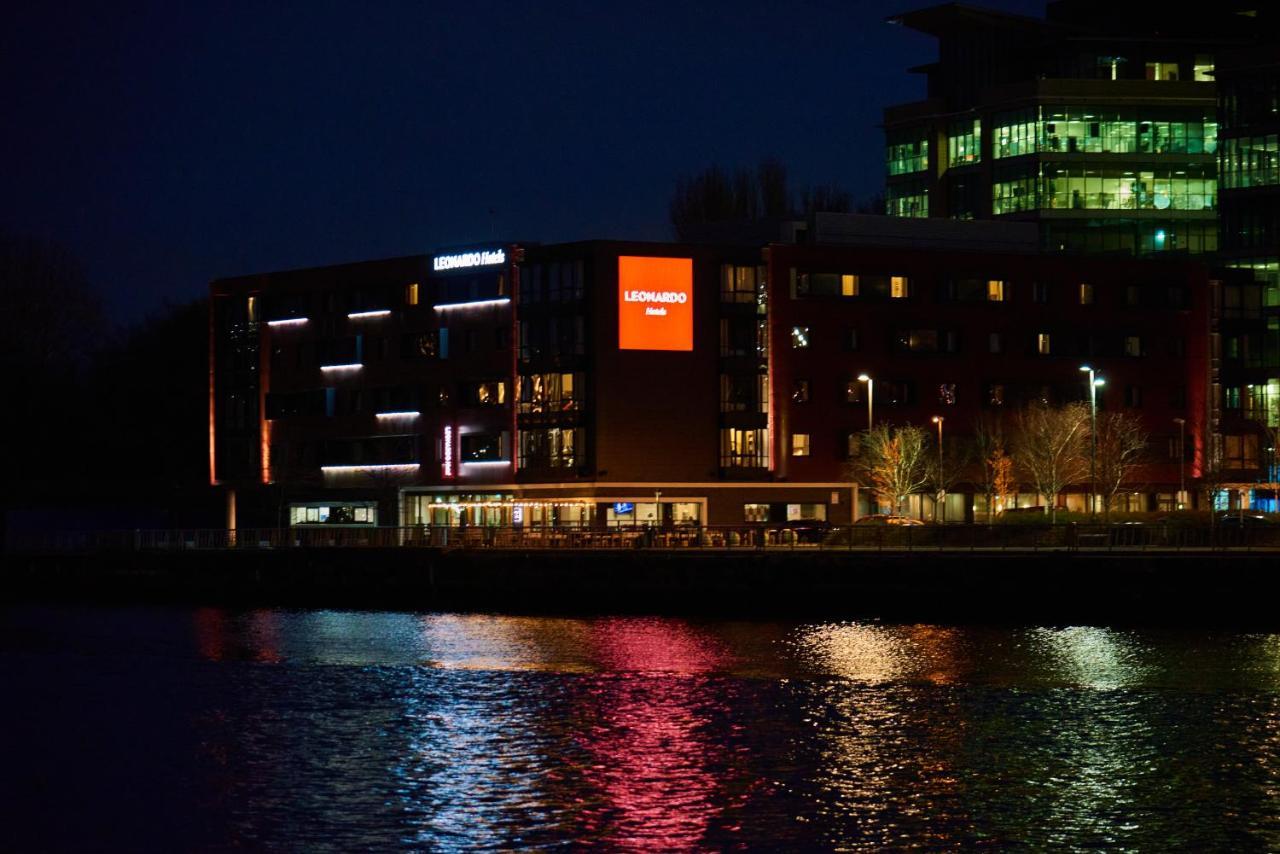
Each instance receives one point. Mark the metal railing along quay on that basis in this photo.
(729, 538)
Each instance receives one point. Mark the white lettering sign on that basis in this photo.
(655, 296)
(448, 451)
(465, 260)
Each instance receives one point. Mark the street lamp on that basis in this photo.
(942, 493)
(871, 390)
(1182, 461)
(1094, 382)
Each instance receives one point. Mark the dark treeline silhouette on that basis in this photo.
(717, 195)
(97, 420)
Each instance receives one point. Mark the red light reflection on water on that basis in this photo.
(647, 730)
(220, 636)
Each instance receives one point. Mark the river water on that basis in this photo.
(209, 729)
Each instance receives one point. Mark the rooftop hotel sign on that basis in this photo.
(655, 303)
(467, 260)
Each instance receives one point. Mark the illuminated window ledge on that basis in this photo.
(375, 467)
(410, 413)
(354, 366)
(364, 315)
(474, 304)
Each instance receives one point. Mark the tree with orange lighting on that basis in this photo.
(892, 461)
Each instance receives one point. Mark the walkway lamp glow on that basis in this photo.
(1094, 382)
(1182, 461)
(871, 390)
(942, 493)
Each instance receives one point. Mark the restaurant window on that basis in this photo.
(755, 512)
(799, 444)
(799, 337)
(806, 512)
(1086, 294)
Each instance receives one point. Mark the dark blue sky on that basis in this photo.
(167, 144)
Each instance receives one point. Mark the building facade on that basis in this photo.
(1098, 123)
(605, 383)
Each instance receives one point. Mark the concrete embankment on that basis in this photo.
(1058, 586)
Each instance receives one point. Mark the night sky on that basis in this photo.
(167, 144)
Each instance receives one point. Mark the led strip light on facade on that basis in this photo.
(362, 315)
(412, 413)
(372, 467)
(354, 366)
(474, 304)
(288, 321)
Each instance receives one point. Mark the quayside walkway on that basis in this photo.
(732, 538)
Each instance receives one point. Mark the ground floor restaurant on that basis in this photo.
(621, 506)
(628, 506)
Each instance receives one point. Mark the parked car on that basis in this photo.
(1247, 520)
(887, 519)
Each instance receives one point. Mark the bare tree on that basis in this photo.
(719, 195)
(1049, 446)
(1122, 444)
(892, 461)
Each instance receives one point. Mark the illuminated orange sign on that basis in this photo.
(655, 303)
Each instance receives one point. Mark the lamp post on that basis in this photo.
(871, 391)
(1182, 461)
(1094, 382)
(942, 493)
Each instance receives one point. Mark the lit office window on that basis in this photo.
(799, 444)
(799, 337)
(1042, 344)
(1203, 68)
(1162, 71)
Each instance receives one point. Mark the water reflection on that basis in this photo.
(655, 735)
(301, 730)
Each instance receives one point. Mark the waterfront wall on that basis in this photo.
(1059, 586)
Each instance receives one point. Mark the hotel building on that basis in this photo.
(602, 383)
